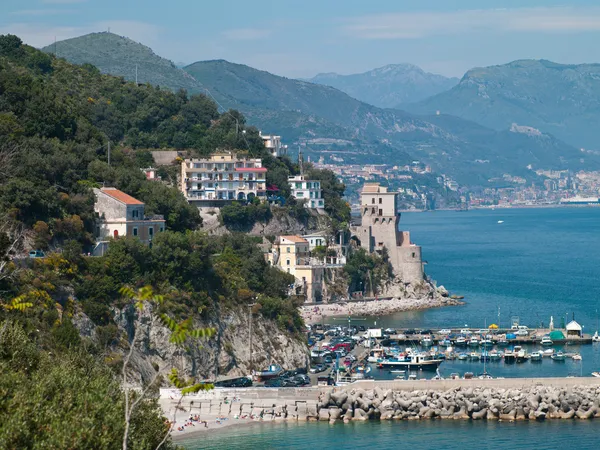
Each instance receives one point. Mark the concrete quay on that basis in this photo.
(501, 399)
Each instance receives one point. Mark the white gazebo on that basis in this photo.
(574, 329)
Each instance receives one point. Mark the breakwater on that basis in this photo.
(497, 399)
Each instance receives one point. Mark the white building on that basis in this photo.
(274, 145)
(308, 190)
(221, 178)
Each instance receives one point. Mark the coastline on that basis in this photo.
(372, 308)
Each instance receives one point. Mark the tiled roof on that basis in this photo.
(371, 187)
(121, 196)
(296, 239)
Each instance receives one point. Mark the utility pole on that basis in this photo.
(250, 305)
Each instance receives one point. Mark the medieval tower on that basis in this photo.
(379, 228)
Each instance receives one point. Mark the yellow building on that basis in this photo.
(292, 255)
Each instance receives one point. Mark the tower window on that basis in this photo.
(380, 200)
(373, 200)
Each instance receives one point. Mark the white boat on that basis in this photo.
(596, 374)
(548, 352)
(460, 341)
(501, 221)
(546, 341)
(536, 356)
(474, 356)
(375, 355)
(558, 356)
(595, 337)
(521, 356)
(463, 357)
(474, 342)
(413, 361)
(495, 355)
(576, 357)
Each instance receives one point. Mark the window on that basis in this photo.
(380, 200)
(151, 232)
(287, 262)
(413, 255)
(134, 213)
(288, 270)
(300, 194)
(135, 231)
(161, 229)
(373, 200)
(381, 212)
(288, 249)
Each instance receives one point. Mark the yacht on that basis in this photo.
(474, 342)
(521, 355)
(546, 341)
(460, 341)
(558, 356)
(548, 352)
(577, 357)
(487, 342)
(536, 356)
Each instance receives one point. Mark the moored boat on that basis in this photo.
(474, 342)
(595, 337)
(413, 361)
(463, 357)
(510, 356)
(474, 356)
(535, 356)
(495, 355)
(460, 341)
(427, 341)
(558, 356)
(521, 355)
(546, 341)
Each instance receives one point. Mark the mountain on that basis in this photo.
(563, 100)
(324, 119)
(455, 146)
(388, 86)
(118, 55)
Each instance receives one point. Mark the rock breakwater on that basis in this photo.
(472, 403)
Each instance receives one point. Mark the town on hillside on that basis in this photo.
(314, 257)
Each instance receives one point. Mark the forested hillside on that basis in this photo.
(56, 120)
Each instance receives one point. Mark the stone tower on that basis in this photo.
(379, 228)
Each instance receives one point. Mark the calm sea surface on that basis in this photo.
(536, 264)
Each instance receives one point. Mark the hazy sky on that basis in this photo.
(299, 38)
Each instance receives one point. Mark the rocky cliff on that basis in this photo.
(226, 354)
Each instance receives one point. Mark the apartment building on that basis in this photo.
(221, 178)
(308, 190)
(274, 145)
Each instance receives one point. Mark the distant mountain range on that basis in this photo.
(390, 86)
(563, 100)
(324, 118)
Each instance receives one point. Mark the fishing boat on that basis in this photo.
(521, 356)
(375, 355)
(463, 357)
(474, 356)
(546, 341)
(535, 356)
(413, 361)
(474, 342)
(510, 356)
(460, 341)
(558, 356)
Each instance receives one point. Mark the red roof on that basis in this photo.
(251, 169)
(121, 196)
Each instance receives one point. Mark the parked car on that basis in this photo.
(445, 331)
(318, 368)
(410, 331)
(522, 333)
(302, 380)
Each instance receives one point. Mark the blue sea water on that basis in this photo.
(536, 264)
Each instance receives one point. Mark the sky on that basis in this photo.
(302, 38)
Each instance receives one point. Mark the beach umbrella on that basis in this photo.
(493, 326)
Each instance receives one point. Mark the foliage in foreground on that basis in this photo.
(74, 404)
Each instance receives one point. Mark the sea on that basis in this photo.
(529, 265)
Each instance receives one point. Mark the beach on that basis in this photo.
(369, 308)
